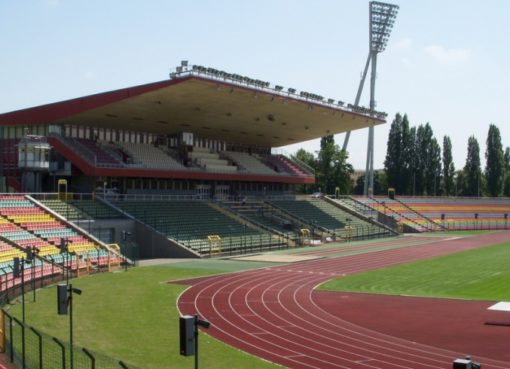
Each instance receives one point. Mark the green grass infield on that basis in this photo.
(132, 316)
(481, 274)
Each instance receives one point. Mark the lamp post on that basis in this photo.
(198, 323)
(32, 251)
(381, 19)
(188, 332)
(19, 267)
(125, 235)
(19, 271)
(64, 302)
(64, 250)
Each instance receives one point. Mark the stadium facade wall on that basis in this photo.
(156, 245)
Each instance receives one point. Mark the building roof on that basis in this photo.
(205, 106)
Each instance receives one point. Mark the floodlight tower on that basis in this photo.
(381, 19)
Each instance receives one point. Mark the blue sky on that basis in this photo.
(446, 61)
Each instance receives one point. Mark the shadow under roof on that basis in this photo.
(205, 107)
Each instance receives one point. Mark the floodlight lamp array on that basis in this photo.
(184, 70)
(382, 19)
(365, 110)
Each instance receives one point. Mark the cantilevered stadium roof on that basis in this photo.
(208, 107)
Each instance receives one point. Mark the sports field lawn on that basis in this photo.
(132, 316)
(481, 274)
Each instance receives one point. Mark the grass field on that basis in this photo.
(132, 316)
(481, 274)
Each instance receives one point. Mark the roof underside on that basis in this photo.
(206, 108)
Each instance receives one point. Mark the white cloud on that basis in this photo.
(447, 56)
(405, 43)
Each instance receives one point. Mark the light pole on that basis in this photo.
(188, 331)
(199, 323)
(32, 251)
(64, 250)
(65, 301)
(125, 235)
(381, 19)
(19, 271)
(19, 268)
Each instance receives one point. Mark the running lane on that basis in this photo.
(271, 312)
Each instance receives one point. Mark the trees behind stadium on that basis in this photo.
(414, 164)
(331, 167)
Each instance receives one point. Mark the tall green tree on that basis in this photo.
(413, 161)
(427, 161)
(399, 161)
(400, 164)
(460, 183)
(408, 149)
(306, 157)
(433, 171)
(472, 170)
(324, 164)
(393, 162)
(332, 169)
(380, 186)
(309, 159)
(342, 172)
(448, 167)
(507, 158)
(495, 165)
(420, 160)
(506, 186)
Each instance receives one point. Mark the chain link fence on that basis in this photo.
(29, 348)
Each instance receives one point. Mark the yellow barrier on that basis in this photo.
(214, 244)
(348, 231)
(305, 235)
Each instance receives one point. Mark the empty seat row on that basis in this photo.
(451, 213)
(187, 221)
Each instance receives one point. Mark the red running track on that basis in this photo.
(272, 313)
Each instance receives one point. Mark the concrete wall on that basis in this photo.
(150, 244)
(82, 183)
(118, 226)
(155, 245)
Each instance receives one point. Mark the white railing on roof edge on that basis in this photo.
(274, 91)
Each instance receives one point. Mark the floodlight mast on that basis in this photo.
(381, 19)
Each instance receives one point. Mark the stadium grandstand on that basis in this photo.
(178, 161)
(161, 168)
(422, 214)
(186, 167)
(190, 167)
